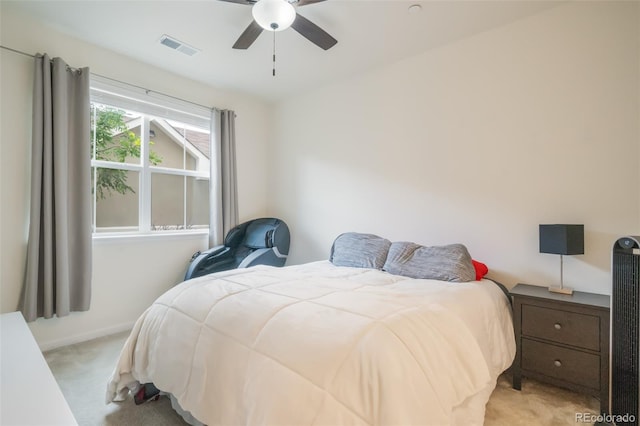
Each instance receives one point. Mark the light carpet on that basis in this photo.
(82, 371)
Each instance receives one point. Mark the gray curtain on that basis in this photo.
(223, 197)
(58, 275)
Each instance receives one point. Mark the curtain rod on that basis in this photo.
(147, 91)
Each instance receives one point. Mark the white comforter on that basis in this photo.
(320, 344)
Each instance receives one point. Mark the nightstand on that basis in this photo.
(562, 340)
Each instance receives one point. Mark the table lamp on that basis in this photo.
(562, 240)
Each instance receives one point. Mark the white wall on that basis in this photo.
(478, 142)
(129, 275)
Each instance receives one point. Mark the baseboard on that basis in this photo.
(84, 337)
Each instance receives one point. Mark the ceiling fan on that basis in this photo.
(278, 15)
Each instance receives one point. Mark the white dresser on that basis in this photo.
(29, 394)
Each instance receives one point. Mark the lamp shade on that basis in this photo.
(562, 239)
(274, 15)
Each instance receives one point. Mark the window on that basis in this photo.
(150, 162)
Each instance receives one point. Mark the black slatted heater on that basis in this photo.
(625, 325)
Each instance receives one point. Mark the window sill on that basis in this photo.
(122, 237)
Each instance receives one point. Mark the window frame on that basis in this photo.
(149, 106)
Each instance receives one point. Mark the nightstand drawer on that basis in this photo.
(570, 365)
(569, 328)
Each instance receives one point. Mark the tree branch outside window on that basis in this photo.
(114, 142)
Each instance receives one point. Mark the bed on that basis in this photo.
(321, 344)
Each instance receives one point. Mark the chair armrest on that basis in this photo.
(203, 263)
(253, 257)
(266, 256)
(213, 251)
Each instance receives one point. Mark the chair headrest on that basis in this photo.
(235, 235)
(259, 234)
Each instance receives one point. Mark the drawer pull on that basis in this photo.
(557, 363)
(557, 326)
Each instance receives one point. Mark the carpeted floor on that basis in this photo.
(82, 371)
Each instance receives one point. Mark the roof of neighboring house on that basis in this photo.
(199, 140)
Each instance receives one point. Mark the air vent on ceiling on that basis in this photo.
(178, 45)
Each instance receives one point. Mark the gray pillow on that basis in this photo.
(444, 263)
(359, 250)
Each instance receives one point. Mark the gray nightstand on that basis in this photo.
(562, 340)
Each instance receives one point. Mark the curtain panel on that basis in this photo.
(59, 259)
(223, 197)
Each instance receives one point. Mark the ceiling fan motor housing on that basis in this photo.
(274, 15)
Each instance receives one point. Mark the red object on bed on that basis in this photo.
(481, 269)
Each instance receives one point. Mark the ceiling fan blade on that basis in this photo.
(305, 2)
(249, 35)
(247, 2)
(313, 33)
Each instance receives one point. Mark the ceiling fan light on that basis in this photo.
(274, 15)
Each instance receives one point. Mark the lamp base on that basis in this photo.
(561, 290)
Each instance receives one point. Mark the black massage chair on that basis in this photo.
(256, 242)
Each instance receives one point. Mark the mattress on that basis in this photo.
(319, 344)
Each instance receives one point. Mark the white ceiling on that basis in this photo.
(369, 34)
